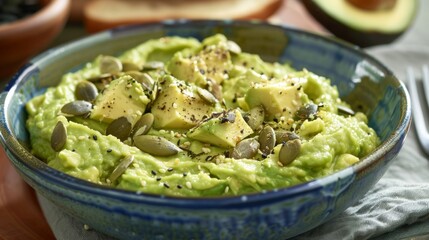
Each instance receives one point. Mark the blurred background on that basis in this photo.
(362, 22)
(28, 27)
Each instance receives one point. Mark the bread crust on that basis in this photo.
(105, 14)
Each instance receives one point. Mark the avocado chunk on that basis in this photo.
(211, 62)
(122, 97)
(161, 49)
(360, 25)
(237, 87)
(279, 99)
(178, 105)
(223, 130)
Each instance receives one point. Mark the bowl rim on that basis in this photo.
(44, 16)
(264, 197)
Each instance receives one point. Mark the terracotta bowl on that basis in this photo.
(278, 214)
(22, 39)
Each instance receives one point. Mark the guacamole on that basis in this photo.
(179, 117)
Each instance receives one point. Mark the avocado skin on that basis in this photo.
(343, 31)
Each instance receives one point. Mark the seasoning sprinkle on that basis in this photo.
(205, 150)
(143, 183)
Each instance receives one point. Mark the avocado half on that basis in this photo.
(360, 26)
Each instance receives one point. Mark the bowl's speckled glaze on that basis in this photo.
(363, 81)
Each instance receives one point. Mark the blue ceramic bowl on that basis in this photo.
(363, 81)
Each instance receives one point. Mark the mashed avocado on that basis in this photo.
(175, 116)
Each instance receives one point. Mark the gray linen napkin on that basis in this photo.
(397, 207)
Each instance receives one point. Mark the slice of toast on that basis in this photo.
(104, 14)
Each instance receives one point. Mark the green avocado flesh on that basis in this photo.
(361, 26)
(216, 121)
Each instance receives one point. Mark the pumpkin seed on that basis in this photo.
(345, 110)
(101, 85)
(59, 137)
(135, 74)
(267, 140)
(155, 145)
(307, 112)
(101, 81)
(145, 79)
(255, 117)
(105, 77)
(289, 151)
(246, 148)
(143, 125)
(206, 96)
(121, 167)
(86, 90)
(284, 136)
(140, 131)
(130, 66)
(120, 128)
(109, 64)
(153, 65)
(77, 108)
(216, 90)
(233, 47)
